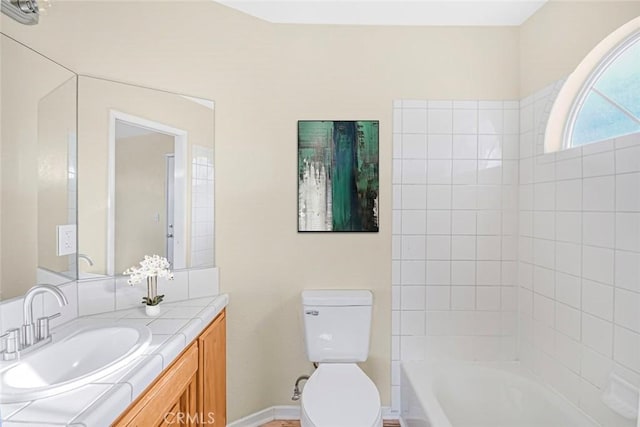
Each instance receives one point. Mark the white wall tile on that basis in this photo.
(463, 297)
(412, 322)
(568, 321)
(414, 171)
(414, 146)
(464, 171)
(490, 147)
(569, 195)
(96, 296)
(438, 297)
(627, 309)
(488, 273)
(627, 270)
(440, 146)
(413, 221)
(569, 226)
(463, 247)
(598, 164)
(463, 222)
(627, 192)
(414, 120)
(412, 298)
(438, 247)
(413, 247)
(628, 160)
(544, 196)
(595, 367)
(440, 121)
(488, 298)
(597, 334)
(439, 272)
(490, 121)
(598, 229)
(569, 289)
(597, 299)
(438, 222)
(464, 197)
(412, 272)
(414, 197)
(568, 258)
(569, 168)
(628, 231)
(568, 352)
(597, 264)
(627, 348)
(439, 196)
(439, 171)
(599, 193)
(463, 272)
(465, 122)
(465, 146)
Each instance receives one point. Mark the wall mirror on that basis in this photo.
(145, 162)
(38, 170)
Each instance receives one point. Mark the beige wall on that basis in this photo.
(558, 37)
(140, 196)
(264, 78)
(26, 78)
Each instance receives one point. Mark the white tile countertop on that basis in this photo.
(101, 402)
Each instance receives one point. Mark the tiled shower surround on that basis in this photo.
(455, 177)
(502, 252)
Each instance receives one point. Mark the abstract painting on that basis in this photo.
(338, 175)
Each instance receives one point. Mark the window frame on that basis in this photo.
(572, 95)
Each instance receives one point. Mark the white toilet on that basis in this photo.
(337, 324)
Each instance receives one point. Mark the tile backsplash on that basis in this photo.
(94, 296)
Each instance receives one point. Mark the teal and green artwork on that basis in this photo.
(338, 175)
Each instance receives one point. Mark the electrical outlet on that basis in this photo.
(66, 239)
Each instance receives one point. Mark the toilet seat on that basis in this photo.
(340, 395)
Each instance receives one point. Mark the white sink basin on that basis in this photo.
(76, 358)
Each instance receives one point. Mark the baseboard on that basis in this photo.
(289, 412)
(256, 419)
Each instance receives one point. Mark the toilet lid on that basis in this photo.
(341, 395)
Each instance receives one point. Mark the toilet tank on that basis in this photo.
(337, 325)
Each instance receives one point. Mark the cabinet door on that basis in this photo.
(212, 373)
(171, 400)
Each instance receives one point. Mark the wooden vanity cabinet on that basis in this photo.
(191, 391)
(171, 396)
(212, 372)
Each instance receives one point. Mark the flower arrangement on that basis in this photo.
(151, 267)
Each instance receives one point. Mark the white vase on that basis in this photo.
(152, 310)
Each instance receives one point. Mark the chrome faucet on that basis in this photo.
(29, 337)
(86, 258)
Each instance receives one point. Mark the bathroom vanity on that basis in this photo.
(180, 375)
(192, 388)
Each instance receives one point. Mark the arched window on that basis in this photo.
(601, 99)
(609, 105)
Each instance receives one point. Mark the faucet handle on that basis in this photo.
(12, 350)
(43, 331)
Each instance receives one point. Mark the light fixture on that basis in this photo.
(25, 11)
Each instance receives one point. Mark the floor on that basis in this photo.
(296, 423)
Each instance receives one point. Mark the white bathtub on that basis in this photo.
(481, 395)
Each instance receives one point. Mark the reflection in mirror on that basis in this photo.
(146, 186)
(38, 182)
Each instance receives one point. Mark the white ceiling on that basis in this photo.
(389, 12)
